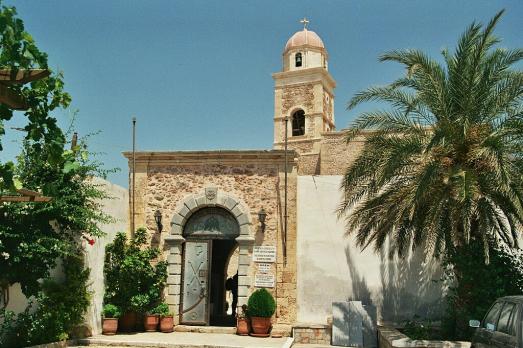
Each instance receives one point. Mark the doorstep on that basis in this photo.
(206, 329)
(184, 340)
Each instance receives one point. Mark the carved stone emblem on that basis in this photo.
(210, 194)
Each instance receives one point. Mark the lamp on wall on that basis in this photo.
(261, 217)
(158, 219)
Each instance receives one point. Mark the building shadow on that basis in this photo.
(407, 287)
(410, 287)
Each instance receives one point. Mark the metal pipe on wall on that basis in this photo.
(285, 196)
(134, 175)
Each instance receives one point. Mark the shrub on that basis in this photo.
(56, 310)
(475, 285)
(420, 329)
(111, 311)
(261, 304)
(133, 283)
(162, 310)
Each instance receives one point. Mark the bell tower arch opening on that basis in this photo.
(298, 123)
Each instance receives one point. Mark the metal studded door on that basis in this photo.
(195, 283)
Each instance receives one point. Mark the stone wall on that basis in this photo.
(309, 164)
(312, 334)
(294, 95)
(329, 155)
(255, 178)
(336, 155)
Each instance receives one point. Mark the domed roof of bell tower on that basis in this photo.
(304, 50)
(304, 38)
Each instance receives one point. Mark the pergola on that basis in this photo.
(15, 101)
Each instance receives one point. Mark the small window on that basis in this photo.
(491, 319)
(504, 318)
(298, 123)
(298, 59)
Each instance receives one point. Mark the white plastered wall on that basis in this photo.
(117, 207)
(332, 268)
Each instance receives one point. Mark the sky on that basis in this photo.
(197, 74)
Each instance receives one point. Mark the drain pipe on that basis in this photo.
(285, 216)
(134, 176)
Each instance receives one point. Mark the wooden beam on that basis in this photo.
(11, 99)
(26, 192)
(24, 199)
(26, 196)
(23, 75)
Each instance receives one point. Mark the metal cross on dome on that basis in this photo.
(304, 21)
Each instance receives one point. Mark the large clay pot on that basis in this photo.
(167, 324)
(150, 322)
(128, 322)
(260, 325)
(242, 326)
(109, 326)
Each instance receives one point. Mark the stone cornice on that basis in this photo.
(298, 140)
(322, 73)
(226, 157)
(345, 131)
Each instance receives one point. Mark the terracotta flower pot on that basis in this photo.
(242, 326)
(150, 322)
(128, 322)
(167, 324)
(260, 325)
(109, 326)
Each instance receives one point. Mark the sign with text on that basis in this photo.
(264, 253)
(264, 267)
(264, 280)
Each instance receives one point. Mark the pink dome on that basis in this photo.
(304, 37)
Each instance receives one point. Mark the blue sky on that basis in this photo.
(197, 74)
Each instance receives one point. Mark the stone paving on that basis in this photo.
(185, 340)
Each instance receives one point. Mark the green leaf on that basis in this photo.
(17, 183)
(71, 166)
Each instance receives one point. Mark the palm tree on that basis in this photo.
(444, 165)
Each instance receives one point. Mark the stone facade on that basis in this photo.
(302, 95)
(329, 155)
(178, 184)
(312, 334)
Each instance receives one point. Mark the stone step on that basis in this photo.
(182, 340)
(205, 329)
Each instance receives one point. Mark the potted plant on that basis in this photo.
(242, 322)
(143, 304)
(151, 321)
(166, 318)
(134, 277)
(111, 313)
(261, 307)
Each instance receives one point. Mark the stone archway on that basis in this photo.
(211, 197)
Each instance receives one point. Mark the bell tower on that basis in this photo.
(303, 92)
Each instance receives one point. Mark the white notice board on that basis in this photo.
(264, 253)
(264, 280)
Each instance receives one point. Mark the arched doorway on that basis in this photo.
(210, 238)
